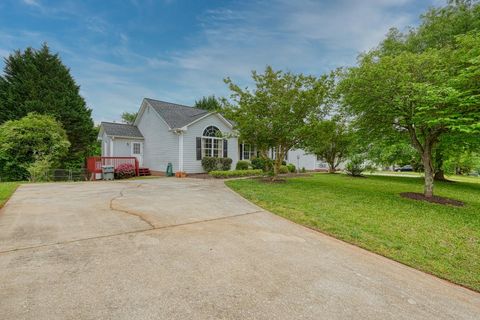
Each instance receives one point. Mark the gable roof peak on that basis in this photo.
(176, 115)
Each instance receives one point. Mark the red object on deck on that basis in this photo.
(94, 164)
(144, 172)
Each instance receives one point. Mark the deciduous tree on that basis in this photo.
(30, 139)
(330, 140)
(426, 95)
(209, 103)
(275, 114)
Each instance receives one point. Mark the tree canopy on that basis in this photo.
(30, 139)
(425, 93)
(38, 81)
(330, 140)
(209, 103)
(275, 115)
(129, 117)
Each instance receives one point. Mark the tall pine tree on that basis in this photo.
(38, 81)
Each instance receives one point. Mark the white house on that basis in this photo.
(165, 132)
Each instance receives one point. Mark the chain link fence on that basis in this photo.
(61, 175)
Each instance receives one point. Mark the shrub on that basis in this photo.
(291, 167)
(303, 170)
(355, 166)
(284, 163)
(242, 165)
(211, 164)
(39, 170)
(225, 163)
(125, 170)
(283, 169)
(27, 140)
(235, 173)
(262, 163)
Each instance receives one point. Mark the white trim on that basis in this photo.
(184, 128)
(111, 147)
(140, 112)
(139, 156)
(180, 151)
(131, 147)
(210, 114)
(155, 111)
(125, 137)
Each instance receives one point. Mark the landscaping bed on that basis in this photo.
(371, 213)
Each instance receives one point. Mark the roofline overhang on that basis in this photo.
(126, 137)
(207, 115)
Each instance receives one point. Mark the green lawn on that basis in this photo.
(6, 190)
(369, 212)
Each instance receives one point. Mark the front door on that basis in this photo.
(137, 152)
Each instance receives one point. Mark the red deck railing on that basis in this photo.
(94, 164)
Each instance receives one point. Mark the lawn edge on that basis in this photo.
(332, 236)
(8, 198)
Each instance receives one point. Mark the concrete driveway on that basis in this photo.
(192, 249)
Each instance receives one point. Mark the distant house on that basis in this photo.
(165, 132)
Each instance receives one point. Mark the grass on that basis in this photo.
(368, 212)
(6, 190)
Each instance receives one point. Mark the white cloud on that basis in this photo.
(34, 3)
(302, 36)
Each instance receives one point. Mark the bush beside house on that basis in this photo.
(242, 165)
(125, 170)
(219, 164)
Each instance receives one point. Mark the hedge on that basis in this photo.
(211, 164)
(236, 173)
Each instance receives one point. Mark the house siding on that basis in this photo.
(190, 162)
(122, 147)
(105, 145)
(160, 145)
(307, 161)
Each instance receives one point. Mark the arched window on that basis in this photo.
(212, 143)
(211, 131)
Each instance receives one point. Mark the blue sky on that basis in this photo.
(122, 51)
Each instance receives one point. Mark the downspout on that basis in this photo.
(180, 132)
(111, 146)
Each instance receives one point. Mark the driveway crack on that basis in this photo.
(127, 232)
(141, 216)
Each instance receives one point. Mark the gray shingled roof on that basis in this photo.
(121, 130)
(176, 115)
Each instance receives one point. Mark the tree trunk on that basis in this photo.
(426, 152)
(429, 173)
(439, 173)
(277, 163)
(331, 168)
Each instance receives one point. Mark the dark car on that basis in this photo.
(404, 168)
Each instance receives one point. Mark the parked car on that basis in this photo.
(406, 168)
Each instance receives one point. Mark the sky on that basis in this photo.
(178, 51)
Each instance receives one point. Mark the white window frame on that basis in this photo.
(211, 141)
(133, 148)
(250, 153)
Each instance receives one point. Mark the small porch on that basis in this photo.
(94, 165)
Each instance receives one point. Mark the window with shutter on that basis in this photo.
(199, 148)
(212, 144)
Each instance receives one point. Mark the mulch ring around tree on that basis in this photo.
(434, 199)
